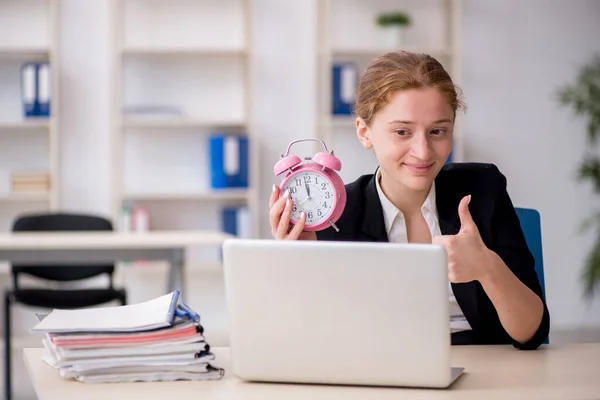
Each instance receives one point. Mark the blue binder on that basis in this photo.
(29, 89)
(344, 82)
(230, 221)
(236, 221)
(228, 161)
(43, 89)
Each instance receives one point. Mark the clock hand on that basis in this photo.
(307, 189)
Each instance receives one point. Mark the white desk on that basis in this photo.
(65, 248)
(492, 372)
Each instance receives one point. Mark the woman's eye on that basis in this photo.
(402, 132)
(438, 132)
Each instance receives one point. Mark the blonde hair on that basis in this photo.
(400, 71)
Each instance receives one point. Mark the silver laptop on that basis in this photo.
(338, 313)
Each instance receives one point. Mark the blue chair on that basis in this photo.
(532, 229)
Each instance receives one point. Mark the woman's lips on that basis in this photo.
(418, 168)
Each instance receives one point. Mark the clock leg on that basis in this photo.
(334, 226)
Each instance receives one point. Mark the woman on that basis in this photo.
(406, 106)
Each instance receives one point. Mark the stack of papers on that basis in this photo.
(159, 340)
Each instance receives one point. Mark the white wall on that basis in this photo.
(516, 55)
(284, 82)
(84, 114)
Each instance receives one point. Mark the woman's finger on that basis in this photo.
(275, 215)
(284, 221)
(274, 196)
(298, 228)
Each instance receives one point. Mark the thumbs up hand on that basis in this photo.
(468, 256)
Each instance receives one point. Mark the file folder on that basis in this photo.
(228, 161)
(29, 89)
(43, 89)
(344, 84)
(152, 314)
(236, 222)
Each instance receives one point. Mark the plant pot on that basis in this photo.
(394, 36)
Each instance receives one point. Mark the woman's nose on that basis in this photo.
(420, 147)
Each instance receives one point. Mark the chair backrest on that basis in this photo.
(532, 229)
(53, 222)
(531, 225)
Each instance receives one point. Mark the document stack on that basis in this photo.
(158, 340)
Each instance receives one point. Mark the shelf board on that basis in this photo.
(372, 53)
(225, 194)
(182, 51)
(26, 51)
(131, 123)
(18, 197)
(26, 125)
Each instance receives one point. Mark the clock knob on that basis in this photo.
(328, 160)
(286, 163)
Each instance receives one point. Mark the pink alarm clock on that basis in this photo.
(314, 186)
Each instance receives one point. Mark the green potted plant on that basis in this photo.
(583, 97)
(394, 24)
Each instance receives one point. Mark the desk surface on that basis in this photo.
(112, 240)
(555, 372)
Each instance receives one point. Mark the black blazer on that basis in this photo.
(498, 224)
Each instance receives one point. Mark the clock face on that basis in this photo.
(312, 193)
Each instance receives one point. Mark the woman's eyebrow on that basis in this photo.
(397, 121)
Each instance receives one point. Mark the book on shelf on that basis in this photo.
(157, 340)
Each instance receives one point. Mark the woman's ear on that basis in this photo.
(364, 133)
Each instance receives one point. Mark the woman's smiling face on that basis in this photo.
(411, 137)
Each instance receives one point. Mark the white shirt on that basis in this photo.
(395, 227)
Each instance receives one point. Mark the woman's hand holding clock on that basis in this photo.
(280, 212)
(314, 194)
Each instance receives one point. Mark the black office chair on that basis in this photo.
(50, 298)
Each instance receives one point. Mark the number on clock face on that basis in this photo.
(311, 193)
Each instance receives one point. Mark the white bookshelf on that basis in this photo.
(28, 33)
(193, 58)
(347, 31)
